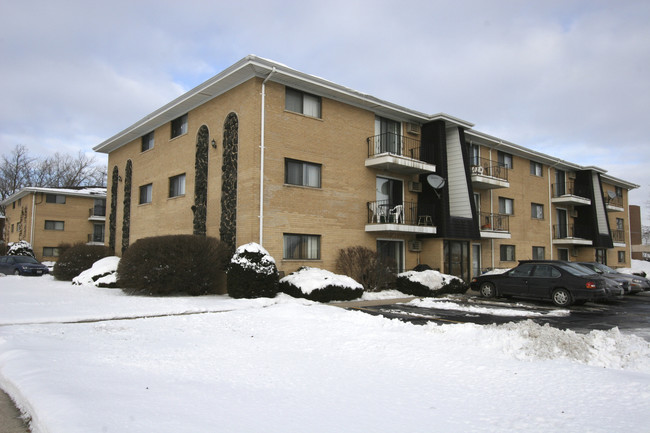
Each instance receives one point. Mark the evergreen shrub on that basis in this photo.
(77, 258)
(20, 248)
(320, 286)
(252, 273)
(173, 264)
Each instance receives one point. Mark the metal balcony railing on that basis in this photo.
(395, 144)
(569, 188)
(565, 231)
(97, 211)
(618, 235)
(96, 238)
(386, 212)
(494, 222)
(486, 167)
(614, 201)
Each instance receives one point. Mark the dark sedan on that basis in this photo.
(637, 283)
(22, 265)
(555, 280)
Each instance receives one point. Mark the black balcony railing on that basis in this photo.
(565, 231)
(614, 201)
(395, 144)
(96, 238)
(494, 222)
(386, 212)
(569, 188)
(618, 235)
(485, 167)
(97, 211)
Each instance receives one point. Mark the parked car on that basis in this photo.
(636, 282)
(22, 265)
(614, 285)
(553, 280)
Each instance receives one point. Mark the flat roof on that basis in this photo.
(91, 192)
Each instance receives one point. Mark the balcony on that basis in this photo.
(384, 216)
(396, 153)
(96, 239)
(494, 226)
(570, 234)
(97, 213)
(614, 204)
(488, 174)
(569, 193)
(618, 237)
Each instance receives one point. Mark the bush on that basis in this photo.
(77, 259)
(173, 264)
(367, 267)
(320, 285)
(429, 283)
(252, 273)
(20, 248)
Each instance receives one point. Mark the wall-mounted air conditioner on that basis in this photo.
(415, 186)
(415, 246)
(412, 128)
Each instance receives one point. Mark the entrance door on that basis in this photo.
(392, 252)
(562, 224)
(457, 259)
(476, 260)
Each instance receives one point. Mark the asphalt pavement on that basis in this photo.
(10, 419)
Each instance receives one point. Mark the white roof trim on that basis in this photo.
(91, 192)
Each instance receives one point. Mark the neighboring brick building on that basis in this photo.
(49, 217)
(264, 153)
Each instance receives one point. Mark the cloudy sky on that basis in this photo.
(568, 78)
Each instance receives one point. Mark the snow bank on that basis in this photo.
(102, 273)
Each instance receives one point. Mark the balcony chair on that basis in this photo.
(397, 214)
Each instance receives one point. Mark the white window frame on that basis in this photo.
(301, 246)
(302, 173)
(303, 103)
(503, 206)
(177, 186)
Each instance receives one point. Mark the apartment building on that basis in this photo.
(265, 153)
(49, 217)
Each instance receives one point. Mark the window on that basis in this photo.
(619, 223)
(601, 256)
(539, 253)
(505, 159)
(50, 252)
(506, 206)
(147, 141)
(179, 126)
(546, 271)
(475, 155)
(536, 169)
(619, 191)
(55, 198)
(301, 247)
(177, 185)
(145, 193)
(621, 256)
(54, 225)
(507, 253)
(537, 211)
(303, 103)
(98, 233)
(302, 173)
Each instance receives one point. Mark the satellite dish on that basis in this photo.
(435, 181)
(611, 194)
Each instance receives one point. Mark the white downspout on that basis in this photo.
(31, 231)
(262, 159)
(550, 210)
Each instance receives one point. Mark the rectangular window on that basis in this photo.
(537, 211)
(98, 233)
(619, 223)
(539, 253)
(54, 225)
(506, 206)
(619, 191)
(179, 126)
(147, 141)
(145, 193)
(301, 247)
(621, 256)
(302, 173)
(55, 198)
(50, 252)
(303, 103)
(507, 253)
(177, 185)
(536, 169)
(505, 159)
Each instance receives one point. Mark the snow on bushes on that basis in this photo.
(320, 285)
(103, 273)
(429, 283)
(252, 273)
(20, 248)
(77, 259)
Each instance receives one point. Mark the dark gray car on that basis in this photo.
(22, 265)
(637, 283)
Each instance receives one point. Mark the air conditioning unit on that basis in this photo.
(415, 186)
(415, 246)
(413, 128)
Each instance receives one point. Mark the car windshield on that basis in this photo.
(604, 268)
(24, 259)
(577, 270)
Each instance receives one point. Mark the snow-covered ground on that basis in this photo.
(212, 363)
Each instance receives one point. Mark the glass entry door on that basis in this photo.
(476, 260)
(392, 252)
(457, 259)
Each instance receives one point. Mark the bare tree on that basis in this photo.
(15, 171)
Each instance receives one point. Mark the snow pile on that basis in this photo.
(512, 311)
(638, 266)
(431, 279)
(309, 279)
(242, 258)
(103, 273)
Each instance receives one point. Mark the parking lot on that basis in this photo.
(631, 314)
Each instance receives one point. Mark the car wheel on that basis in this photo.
(487, 290)
(16, 272)
(561, 297)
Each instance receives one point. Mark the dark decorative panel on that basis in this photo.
(126, 220)
(112, 218)
(201, 182)
(228, 227)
